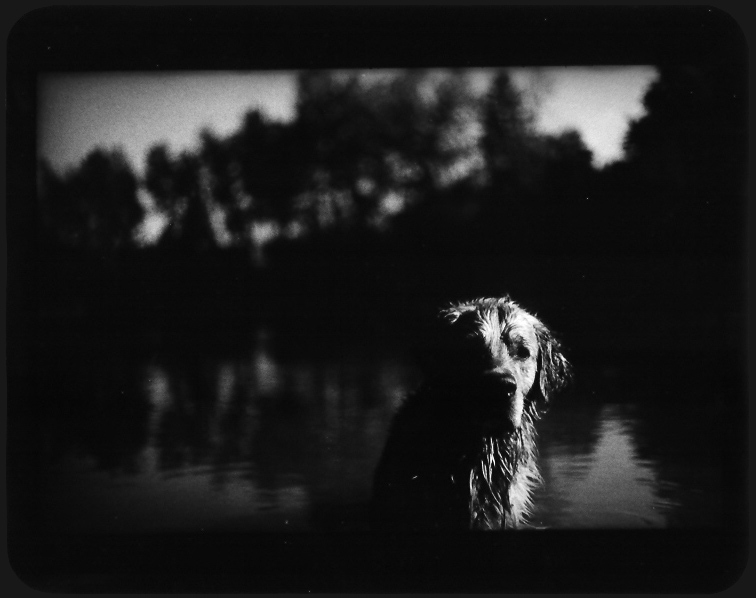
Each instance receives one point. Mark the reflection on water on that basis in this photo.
(609, 487)
(267, 439)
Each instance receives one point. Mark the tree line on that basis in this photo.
(415, 159)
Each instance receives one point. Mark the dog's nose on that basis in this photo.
(506, 382)
(509, 385)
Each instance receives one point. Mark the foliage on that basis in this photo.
(419, 153)
(692, 139)
(92, 207)
(686, 160)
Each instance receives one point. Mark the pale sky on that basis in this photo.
(597, 101)
(134, 111)
(78, 112)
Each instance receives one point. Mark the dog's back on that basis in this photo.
(417, 483)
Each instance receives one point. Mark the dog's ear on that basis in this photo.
(554, 371)
(442, 347)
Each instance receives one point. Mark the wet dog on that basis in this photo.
(461, 451)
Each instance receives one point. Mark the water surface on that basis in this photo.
(279, 435)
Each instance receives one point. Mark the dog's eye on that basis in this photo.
(522, 352)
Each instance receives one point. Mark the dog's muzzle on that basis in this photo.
(498, 384)
(498, 404)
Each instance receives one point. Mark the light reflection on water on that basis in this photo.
(608, 488)
(263, 442)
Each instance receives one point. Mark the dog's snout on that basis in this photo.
(509, 384)
(505, 381)
(499, 404)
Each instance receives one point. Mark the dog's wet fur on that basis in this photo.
(461, 451)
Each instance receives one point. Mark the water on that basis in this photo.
(279, 434)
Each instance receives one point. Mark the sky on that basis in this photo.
(134, 111)
(599, 102)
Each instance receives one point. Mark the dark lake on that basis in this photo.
(281, 429)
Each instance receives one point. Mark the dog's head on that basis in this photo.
(499, 359)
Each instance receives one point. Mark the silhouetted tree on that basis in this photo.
(508, 139)
(175, 185)
(381, 141)
(567, 169)
(692, 137)
(220, 186)
(94, 206)
(686, 157)
(269, 161)
(60, 220)
(341, 140)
